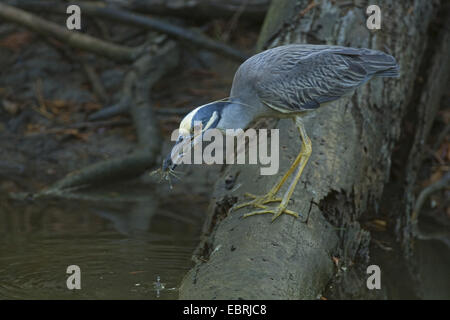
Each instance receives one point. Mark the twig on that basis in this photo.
(308, 8)
(441, 137)
(94, 80)
(111, 111)
(436, 186)
(234, 20)
(72, 38)
(40, 98)
(83, 125)
(123, 106)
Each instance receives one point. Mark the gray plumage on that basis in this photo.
(286, 81)
(295, 78)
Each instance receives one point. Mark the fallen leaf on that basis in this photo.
(381, 223)
(34, 128)
(136, 272)
(377, 225)
(336, 261)
(92, 106)
(10, 106)
(435, 177)
(59, 103)
(17, 40)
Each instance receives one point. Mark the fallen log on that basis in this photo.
(343, 183)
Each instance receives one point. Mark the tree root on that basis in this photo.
(143, 73)
(140, 21)
(73, 39)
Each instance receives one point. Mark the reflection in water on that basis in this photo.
(120, 247)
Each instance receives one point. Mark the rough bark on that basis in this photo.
(401, 199)
(353, 141)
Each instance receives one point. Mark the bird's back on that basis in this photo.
(295, 78)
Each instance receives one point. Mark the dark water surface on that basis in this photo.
(120, 246)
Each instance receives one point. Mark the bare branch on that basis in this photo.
(83, 125)
(140, 21)
(116, 109)
(123, 105)
(73, 39)
(94, 80)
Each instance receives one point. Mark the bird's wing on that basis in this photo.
(303, 82)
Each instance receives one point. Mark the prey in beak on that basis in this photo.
(182, 148)
(173, 159)
(190, 133)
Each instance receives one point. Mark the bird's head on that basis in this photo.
(192, 128)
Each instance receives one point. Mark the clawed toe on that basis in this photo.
(258, 201)
(278, 211)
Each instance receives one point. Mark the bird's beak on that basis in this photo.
(175, 155)
(180, 149)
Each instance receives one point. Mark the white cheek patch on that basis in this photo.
(185, 124)
(213, 119)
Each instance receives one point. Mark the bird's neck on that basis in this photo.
(237, 115)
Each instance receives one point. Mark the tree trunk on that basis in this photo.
(352, 141)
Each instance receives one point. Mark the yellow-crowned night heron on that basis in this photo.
(282, 82)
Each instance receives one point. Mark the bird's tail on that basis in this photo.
(393, 72)
(381, 64)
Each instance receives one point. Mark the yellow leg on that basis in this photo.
(300, 162)
(259, 201)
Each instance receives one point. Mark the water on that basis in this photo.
(121, 247)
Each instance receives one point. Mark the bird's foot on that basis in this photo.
(258, 201)
(278, 211)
